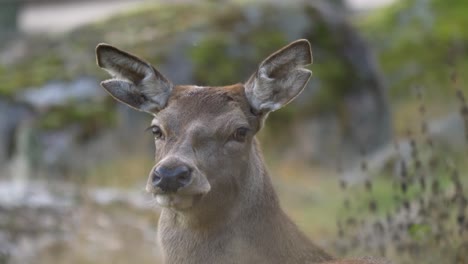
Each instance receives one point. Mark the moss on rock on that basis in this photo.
(89, 116)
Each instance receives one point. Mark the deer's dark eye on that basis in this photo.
(157, 132)
(240, 134)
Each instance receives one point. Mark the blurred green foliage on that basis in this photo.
(214, 64)
(90, 116)
(210, 63)
(32, 72)
(421, 43)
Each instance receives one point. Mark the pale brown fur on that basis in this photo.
(228, 212)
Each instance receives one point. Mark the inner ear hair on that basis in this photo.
(297, 54)
(122, 65)
(134, 81)
(280, 77)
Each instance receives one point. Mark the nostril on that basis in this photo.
(184, 178)
(156, 177)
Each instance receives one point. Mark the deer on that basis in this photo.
(217, 198)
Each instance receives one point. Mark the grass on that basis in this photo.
(106, 235)
(312, 196)
(426, 208)
(128, 171)
(305, 194)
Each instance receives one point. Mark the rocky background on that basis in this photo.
(73, 162)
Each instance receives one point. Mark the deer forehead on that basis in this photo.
(209, 109)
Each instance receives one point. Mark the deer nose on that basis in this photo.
(171, 179)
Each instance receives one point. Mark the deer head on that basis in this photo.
(206, 156)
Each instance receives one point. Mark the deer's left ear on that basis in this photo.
(280, 77)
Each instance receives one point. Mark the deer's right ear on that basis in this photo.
(135, 82)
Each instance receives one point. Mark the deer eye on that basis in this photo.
(240, 134)
(157, 132)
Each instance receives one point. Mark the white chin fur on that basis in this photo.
(174, 201)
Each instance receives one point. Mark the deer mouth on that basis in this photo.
(177, 201)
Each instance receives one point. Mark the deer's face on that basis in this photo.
(203, 140)
(203, 135)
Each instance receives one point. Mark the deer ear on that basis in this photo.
(135, 82)
(280, 77)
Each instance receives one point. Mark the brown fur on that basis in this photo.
(229, 212)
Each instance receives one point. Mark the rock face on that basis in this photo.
(61, 93)
(41, 221)
(11, 116)
(8, 20)
(42, 130)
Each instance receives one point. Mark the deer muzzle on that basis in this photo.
(177, 184)
(170, 179)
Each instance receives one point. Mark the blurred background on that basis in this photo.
(371, 159)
